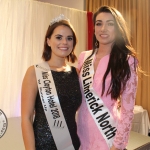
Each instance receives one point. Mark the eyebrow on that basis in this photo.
(106, 21)
(62, 35)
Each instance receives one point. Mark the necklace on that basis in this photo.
(64, 68)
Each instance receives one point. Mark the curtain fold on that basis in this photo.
(23, 28)
(90, 30)
(137, 16)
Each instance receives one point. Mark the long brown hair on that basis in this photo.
(118, 61)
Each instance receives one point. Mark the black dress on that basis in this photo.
(68, 90)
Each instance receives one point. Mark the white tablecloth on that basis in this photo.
(12, 139)
(140, 123)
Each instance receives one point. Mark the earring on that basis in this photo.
(71, 54)
(96, 44)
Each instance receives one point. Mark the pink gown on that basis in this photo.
(90, 136)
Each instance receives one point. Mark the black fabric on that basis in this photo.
(68, 90)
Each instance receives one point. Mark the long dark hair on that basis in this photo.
(121, 50)
(47, 49)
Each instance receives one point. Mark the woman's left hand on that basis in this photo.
(113, 148)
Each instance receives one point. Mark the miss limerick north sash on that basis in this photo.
(99, 112)
(52, 108)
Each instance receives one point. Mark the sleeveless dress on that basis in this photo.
(70, 97)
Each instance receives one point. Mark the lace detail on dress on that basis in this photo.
(90, 136)
(126, 110)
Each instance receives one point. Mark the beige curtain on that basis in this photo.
(23, 24)
(137, 16)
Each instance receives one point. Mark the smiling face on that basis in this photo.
(61, 41)
(105, 28)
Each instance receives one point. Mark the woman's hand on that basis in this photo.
(113, 148)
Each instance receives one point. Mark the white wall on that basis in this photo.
(77, 4)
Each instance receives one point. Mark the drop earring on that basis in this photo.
(96, 44)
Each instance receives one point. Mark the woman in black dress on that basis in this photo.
(60, 42)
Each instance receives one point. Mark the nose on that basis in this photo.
(64, 41)
(104, 28)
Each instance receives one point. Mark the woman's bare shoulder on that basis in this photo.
(30, 71)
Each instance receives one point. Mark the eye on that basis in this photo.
(69, 38)
(58, 37)
(98, 24)
(111, 24)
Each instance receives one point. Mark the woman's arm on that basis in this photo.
(126, 110)
(28, 96)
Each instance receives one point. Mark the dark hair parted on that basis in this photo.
(47, 49)
(121, 50)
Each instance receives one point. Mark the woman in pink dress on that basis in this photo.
(107, 74)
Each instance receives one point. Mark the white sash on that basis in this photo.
(52, 108)
(99, 112)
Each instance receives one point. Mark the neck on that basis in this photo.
(58, 64)
(104, 50)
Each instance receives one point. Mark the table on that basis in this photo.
(138, 141)
(12, 139)
(140, 123)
